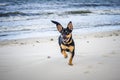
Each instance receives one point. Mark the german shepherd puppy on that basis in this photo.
(65, 40)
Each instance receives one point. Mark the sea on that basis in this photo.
(21, 19)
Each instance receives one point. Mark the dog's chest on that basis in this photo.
(70, 48)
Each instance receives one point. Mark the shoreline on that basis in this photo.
(52, 38)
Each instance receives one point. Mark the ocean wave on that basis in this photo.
(100, 12)
(4, 4)
(93, 4)
(11, 14)
(17, 13)
(25, 28)
(109, 24)
(107, 12)
(3, 35)
(79, 12)
(83, 26)
(22, 16)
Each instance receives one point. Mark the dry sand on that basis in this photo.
(97, 57)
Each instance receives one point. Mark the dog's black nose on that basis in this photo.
(63, 36)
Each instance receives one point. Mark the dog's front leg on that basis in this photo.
(72, 55)
(64, 53)
(63, 47)
(71, 58)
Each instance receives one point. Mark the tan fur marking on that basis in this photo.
(68, 36)
(70, 60)
(63, 46)
(71, 48)
(64, 54)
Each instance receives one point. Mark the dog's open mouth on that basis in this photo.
(65, 39)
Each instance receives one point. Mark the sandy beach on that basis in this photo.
(97, 57)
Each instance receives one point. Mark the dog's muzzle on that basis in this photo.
(65, 39)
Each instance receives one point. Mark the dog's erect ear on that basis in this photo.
(70, 26)
(59, 26)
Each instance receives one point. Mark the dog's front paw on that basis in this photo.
(70, 64)
(65, 56)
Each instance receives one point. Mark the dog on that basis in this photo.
(65, 40)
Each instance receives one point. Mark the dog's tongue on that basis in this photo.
(65, 39)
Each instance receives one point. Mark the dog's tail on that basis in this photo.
(55, 22)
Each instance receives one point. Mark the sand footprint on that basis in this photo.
(100, 63)
(110, 54)
(87, 72)
(22, 43)
(89, 67)
(105, 55)
(113, 53)
(37, 42)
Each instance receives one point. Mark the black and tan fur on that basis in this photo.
(65, 40)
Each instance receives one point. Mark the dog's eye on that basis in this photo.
(62, 32)
(67, 32)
